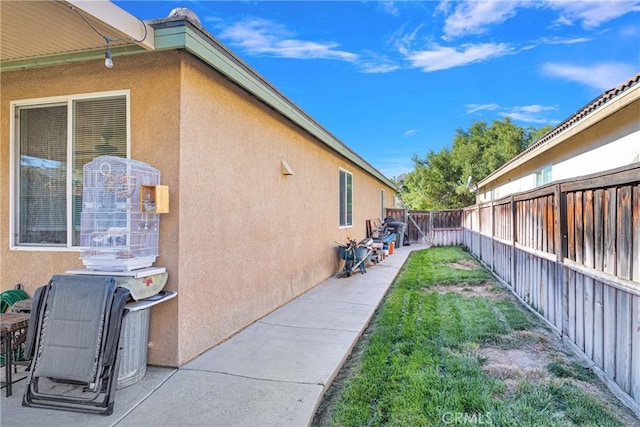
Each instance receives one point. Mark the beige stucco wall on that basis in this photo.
(241, 238)
(252, 239)
(154, 84)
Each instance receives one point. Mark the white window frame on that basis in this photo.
(544, 176)
(14, 158)
(343, 222)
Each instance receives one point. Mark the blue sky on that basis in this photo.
(394, 79)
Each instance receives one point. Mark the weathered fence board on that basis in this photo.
(609, 331)
(635, 233)
(580, 311)
(609, 264)
(635, 348)
(588, 229)
(624, 222)
(588, 316)
(598, 229)
(598, 325)
(571, 251)
(623, 341)
(579, 231)
(571, 228)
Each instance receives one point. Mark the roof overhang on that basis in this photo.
(36, 33)
(603, 107)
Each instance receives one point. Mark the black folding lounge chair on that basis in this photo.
(72, 342)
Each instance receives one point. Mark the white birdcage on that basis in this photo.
(118, 227)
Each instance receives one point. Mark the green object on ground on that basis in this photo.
(7, 299)
(10, 297)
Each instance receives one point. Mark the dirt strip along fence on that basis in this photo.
(436, 228)
(571, 251)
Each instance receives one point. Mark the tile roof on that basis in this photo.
(584, 112)
(580, 115)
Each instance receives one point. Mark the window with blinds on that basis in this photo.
(48, 183)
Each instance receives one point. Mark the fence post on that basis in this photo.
(560, 213)
(493, 232)
(431, 233)
(514, 228)
(479, 232)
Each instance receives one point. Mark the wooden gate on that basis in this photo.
(435, 228)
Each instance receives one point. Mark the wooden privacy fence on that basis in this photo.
(436, 228)
(571, 251)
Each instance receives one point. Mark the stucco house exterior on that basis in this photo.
(259, 191)
(603, 135)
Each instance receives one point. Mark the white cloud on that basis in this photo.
(630, 31)
(371, 67)
(563, 40)
(259, 36)
(374, 63)
(473, 108)
(442, 57)
(389, 7)
(409, 133)
(591, 14)
(526, 118)
(476, 17)
(523, 113)
(472, 17)
(262, 37)
(536, 108)
(529, 113)
(602, 76)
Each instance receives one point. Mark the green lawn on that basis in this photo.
(423, 362)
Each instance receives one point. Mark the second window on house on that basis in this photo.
(346, 199)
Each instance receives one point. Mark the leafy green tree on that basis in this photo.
(441, 180)
(435, 183)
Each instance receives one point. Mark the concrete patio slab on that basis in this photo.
(320, 313)
(279, 353)
(12, 413)
(197, 398)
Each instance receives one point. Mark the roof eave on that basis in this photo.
(134, 28)
(558, 135)
(173, 34)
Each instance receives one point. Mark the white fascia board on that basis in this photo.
(119, 19)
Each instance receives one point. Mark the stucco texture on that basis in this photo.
(241, 238)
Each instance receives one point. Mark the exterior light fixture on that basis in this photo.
(108, 61)
(285, 169)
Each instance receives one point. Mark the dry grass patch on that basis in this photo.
(485, 289)
(465, 264)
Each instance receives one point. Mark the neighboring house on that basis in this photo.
(259, 192)
(603, 135)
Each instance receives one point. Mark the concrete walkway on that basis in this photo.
(273, 373)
